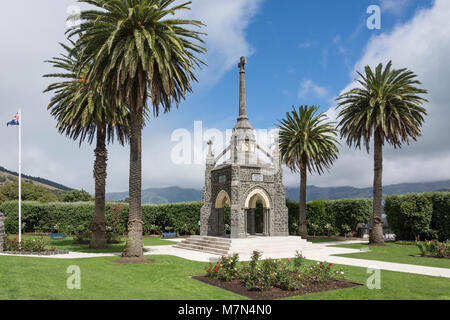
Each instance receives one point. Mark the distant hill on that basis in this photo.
(334, 193)
(160, 195)
(7, 177)
(176, 194)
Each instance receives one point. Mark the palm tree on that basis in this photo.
(388, 107)
(139, 52)
(307, 142)
(82, 113)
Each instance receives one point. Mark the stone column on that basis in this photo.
(208, 206)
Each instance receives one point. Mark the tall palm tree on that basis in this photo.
(388, 107)
(307, 143)
(138, 51)
(82, 113)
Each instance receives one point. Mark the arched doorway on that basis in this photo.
(257, 216)
(218, 223)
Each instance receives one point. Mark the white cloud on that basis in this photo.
(45, 152)
(308, 86)
(423, 46)
(226, 22)
(395, 7)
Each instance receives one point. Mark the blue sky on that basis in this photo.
(294, 43)
(298, 52)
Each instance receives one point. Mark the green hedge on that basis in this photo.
(331, 217)
(324, 217)
(422, 215)
(74, 217)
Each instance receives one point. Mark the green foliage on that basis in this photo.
(273, 273)
(332, 216)
(29, 245)
(30, 192)
(75, 196)
(423, 216)
(434, 248)
(75, 218)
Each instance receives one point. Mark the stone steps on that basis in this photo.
(214, 245)
(223, 246)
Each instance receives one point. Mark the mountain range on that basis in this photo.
(177, 194)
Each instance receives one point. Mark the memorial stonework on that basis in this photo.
(242, 180)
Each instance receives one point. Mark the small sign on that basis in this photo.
(257, 177)
(222, 179)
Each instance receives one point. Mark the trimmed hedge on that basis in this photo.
(76, 217)
(331, 217)
(425, 216)
(324, 217)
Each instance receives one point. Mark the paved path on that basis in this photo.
(316, 251)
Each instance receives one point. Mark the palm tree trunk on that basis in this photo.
(134, 246)
(376, 234)
(98, 226)
(302, 229)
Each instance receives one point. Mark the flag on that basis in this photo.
(14, 122)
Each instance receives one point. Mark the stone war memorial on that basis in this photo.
(241, 180)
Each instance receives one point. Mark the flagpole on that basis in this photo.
(20, 177)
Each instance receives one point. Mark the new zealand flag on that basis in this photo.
(14, 122)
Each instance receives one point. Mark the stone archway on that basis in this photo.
(219, 213)
(251, 214)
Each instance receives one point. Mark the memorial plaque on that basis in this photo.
(257, 177)
(222, 179)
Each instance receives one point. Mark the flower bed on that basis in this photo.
(434, 249)
(270, 279)
(29, 247)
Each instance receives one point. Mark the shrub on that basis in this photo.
(30, 245)
(75, 196)
(434, 248)
(182, 218)
(424, 216)
(331, 217)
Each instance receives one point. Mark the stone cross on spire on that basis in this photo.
(243, 119)
(242, 64)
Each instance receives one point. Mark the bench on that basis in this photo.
(169, 235)
(57, 235)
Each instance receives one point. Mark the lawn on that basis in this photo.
(394, 253)
(168, 278)
(321, 240)
(69, 244)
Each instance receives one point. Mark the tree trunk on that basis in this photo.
(302, 223)
(376, 234)
(134, 246)
(98, 226)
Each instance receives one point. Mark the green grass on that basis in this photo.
(392, 252)
(168, 278)
(69, 244)
(321, 240)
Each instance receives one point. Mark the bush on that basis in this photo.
(75, 196)
(434, 248)
(76, 217)
(423, 216)
(331, 217)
